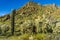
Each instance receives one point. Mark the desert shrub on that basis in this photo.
(49, 28)
(39, 37)
(24, 37)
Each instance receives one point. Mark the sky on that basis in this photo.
(7, 5)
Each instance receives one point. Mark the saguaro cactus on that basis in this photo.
(12, 21)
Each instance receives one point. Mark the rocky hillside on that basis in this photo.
(34, 18)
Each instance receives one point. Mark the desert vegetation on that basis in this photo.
(31, 22)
